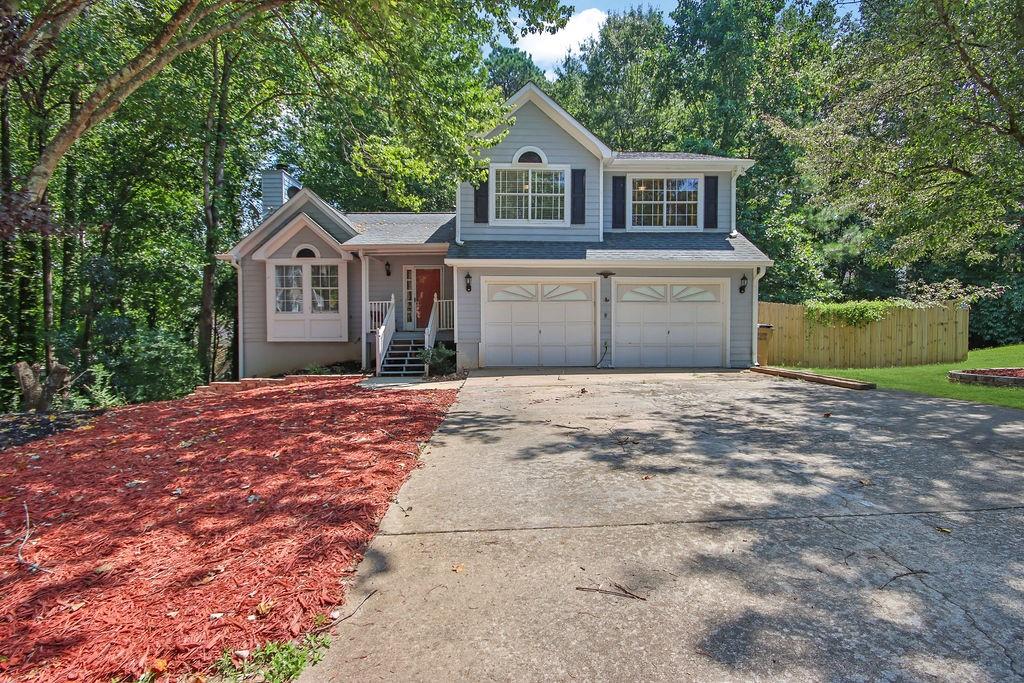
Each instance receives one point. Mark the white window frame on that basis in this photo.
(664, 177)
(491, 182)
(307, 317)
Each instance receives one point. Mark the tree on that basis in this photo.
(509, 68)
(391, 38)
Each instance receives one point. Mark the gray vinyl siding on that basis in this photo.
(740, 306)
(724, 199)
(533, 127)
(262, 358)
(305, 236)
(382, 287)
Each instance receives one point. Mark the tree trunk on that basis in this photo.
(68, 242)
(214, 154)
(37, 394)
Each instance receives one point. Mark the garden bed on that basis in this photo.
(996, 377)
(164, 534)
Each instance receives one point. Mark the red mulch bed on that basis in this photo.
(999, 372)
(162, 527)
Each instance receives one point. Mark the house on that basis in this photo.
(571, 254)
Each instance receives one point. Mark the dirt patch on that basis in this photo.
(175, 530)
(20, 428)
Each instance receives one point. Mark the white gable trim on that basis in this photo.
(290, 230)
(303, 196)
(531, 93)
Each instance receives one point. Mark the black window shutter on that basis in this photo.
(619, 201)
(480, 199)
(710, 202)
(579, 196)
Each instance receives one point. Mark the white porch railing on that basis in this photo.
(385, 331)
(445, 314)
(379, 309)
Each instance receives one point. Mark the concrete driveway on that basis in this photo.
(882, 542)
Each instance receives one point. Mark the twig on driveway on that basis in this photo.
(913, 572)
(621, 593)
(351, 614)
(586, 429)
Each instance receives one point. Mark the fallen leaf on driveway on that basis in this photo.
(458, 567)
(943, 529)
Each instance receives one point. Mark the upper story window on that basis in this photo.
(530, 190)
(665, 202)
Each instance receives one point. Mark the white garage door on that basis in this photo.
(538, 323)
(667, 324)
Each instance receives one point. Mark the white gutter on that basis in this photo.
(588, 263)
(600, 201)
(732, 216)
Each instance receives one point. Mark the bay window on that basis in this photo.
(665, 202)
(305, 299)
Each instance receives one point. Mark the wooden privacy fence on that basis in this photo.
(906, 336)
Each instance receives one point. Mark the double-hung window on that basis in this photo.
(530, 195)
(665, 202)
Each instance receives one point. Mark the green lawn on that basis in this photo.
(931, 379)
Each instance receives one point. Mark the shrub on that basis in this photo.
(852, 313)
(440, 360)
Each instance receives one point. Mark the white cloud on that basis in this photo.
(549, 49)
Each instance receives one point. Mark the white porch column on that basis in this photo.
(365, 278)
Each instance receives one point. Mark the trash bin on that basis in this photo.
(764, 335)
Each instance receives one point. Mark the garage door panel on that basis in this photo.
(523, 312)
(681, 357)
(682, 314)
(498, 355)
(578, 312)
(499, 312)
(708, 313)
(653, 333)
(498, 334)
(682, 335)
(627, 355)
(627, 335)
(578, 334)
(707, 357)
(524, 335)
(708, 334)
(654, 356)
(525, 355)
(552, 334)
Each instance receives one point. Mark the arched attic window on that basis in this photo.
(530, 155)
(306, 251)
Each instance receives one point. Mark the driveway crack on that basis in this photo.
(946, 597)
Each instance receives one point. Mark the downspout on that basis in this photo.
(733, 232)
(600, 200)
(759, 272)
(458, 214)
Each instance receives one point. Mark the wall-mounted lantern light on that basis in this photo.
(469, 283)
(387, 268)
(743, 284)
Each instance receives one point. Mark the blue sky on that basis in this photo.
(548, 50)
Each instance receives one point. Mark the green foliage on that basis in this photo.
(97, 392)
(440, 360)
(851, 313)
(275, 662)
(509, 68)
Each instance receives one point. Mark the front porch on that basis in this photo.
(408, 306)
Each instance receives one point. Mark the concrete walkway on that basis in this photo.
(884, 541)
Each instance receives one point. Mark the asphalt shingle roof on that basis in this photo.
(402, 228)
(620, 246)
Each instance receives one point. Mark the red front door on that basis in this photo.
(428, 284)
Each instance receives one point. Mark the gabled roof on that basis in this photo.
(690, 248)
(299, 222)
(336, 225)
(531, 93)
(384, 229)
